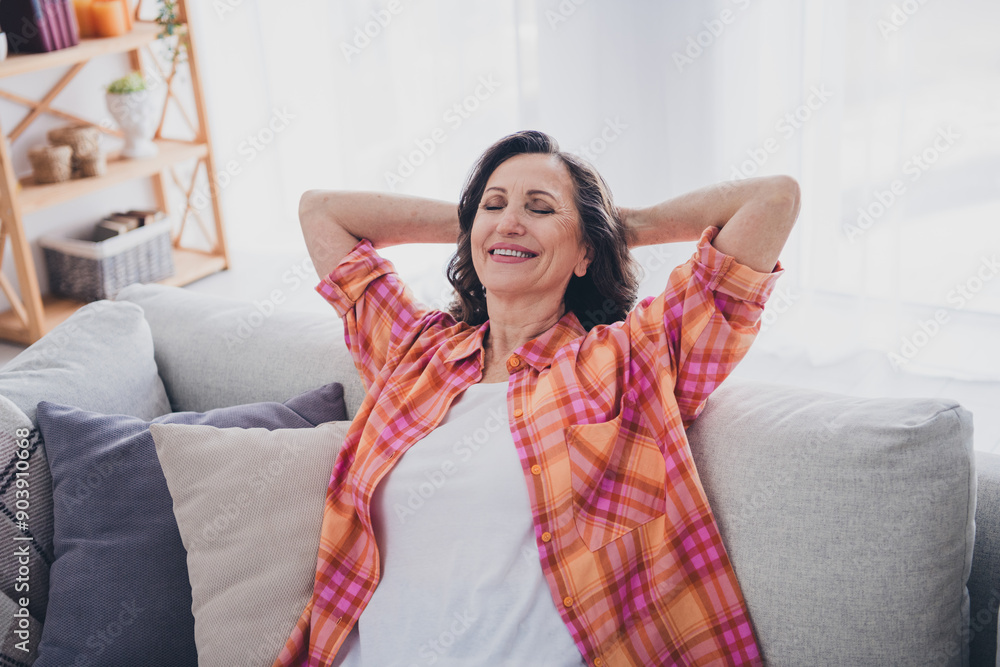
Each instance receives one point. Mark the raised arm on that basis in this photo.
(756, 216)
(334, 221)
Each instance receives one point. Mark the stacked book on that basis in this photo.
(121, 223)
(36, 26)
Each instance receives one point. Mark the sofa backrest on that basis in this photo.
(214, 352)
(877, 462)
(849, 520)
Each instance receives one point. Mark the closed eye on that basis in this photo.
(533, 210)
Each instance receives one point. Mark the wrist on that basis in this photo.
(631, 219)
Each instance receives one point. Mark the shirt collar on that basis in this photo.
(537, 352)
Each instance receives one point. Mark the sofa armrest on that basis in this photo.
(984, 581)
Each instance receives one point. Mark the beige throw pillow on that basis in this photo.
(249, 505)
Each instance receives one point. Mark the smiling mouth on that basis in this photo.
(511, 253)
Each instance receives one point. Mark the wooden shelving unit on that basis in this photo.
(31, 315)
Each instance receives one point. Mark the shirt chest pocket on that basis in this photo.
(618, 475)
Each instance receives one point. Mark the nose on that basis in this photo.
(510, 222)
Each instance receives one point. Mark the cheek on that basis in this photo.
(478, 231)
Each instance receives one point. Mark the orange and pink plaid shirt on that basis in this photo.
(626, 538)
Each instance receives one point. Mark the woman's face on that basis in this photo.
(528, 206)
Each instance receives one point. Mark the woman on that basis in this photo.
(517, 486)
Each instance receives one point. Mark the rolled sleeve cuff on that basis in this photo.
(347, 282)
(724, 274)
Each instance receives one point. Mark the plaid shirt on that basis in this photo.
(627, 541)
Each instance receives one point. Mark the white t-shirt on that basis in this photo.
(461, 579)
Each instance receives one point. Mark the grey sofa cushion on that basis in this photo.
(984, 581)
(214, 352)
(849, 521)
(118, 552)
(100, 359)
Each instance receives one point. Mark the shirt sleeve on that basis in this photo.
(703, 323)
(379, 311)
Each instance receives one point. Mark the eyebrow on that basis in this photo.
(530, 192)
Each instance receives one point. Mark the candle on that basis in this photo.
(84, 18)
(128, 14)
(108, 17)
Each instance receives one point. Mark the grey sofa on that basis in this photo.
(850, 522)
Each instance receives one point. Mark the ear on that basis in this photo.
(583, 264)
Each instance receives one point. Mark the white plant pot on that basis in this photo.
(138, 116)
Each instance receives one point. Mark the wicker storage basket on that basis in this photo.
(83, 139)
(51, 164)
(90, 165)
(89, 271)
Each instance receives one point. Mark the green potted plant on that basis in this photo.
(171, 25)
(133, 107)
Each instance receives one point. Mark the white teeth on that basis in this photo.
(510, 253)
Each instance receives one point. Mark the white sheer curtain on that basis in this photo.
(887, 107)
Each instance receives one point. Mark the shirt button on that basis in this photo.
(547, 537)
(598, 662)
(536, 469)
(518, 412)
(515, 361)
(567, 602)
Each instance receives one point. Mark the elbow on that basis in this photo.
(784, 195)
(308, 204)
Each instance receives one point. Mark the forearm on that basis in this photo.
(382, 218)
(756, 216)
(334, 221)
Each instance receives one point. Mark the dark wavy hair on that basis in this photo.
(603, 295)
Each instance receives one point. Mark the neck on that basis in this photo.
(512, 327)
